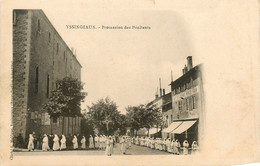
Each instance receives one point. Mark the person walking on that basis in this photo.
(185, 147)
(63, 142)
(45, 143)
(30, 143)
(83, 143)
(96, 141)
(194, 147)
(91, 142)
(109, 146)
(75, 142)
(122, 145)
(56, 144)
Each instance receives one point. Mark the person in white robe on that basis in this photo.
(63, 142)
(194, 147)
(177, 147)
(185, 147)
(168, 145)
(91, 142)
(83, 143)
(75, 142)
(122, 145)
(96, 141)
(100, 141)
(30, 143)
(173, 148)
(104, 142)
(56, 144)
(109, 146)
(45, 143)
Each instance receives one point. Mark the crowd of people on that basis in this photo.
(107, 143)
(172, 146)
(101, 142)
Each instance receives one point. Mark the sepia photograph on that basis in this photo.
(130, 83)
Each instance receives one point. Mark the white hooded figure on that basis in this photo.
(83, 143)
(104, 142)
(56, 144)
(185, 147)
(63, 142)
(173, 149)
(96, 141)
(75, 142)
(91, 143)
(168, 145)
(45, 143)
(194, 147)
(122, 145)
(30, 143)
(109, 146)
(177, 147)
(100, 141)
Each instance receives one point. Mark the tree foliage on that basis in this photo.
(106, 109)
(143, 116)
(65, 100)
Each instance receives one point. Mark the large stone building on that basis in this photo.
(185, 120)
(40, 57)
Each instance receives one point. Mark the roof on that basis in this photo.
(192, 73)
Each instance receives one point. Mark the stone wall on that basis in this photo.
(41, 57)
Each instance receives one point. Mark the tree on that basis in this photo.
(104, 114)
(143, 116)
(134, 116)
(66, 99)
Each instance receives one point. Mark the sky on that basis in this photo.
(125, 65)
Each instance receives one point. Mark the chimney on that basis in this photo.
(186, 69)
(156, 95)
(183, 71)
(163, 91)
(171, 76)
(160, 87)
(189, 62)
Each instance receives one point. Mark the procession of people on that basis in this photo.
(99, 142)
(107, 143)
(169, 145)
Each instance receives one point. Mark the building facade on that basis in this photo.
(40, 58)
(187, 114)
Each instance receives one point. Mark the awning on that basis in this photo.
(173, 126)
(152, 131)
(184, 126)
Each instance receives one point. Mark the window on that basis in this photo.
(36, 79)
(49, 37)
(39, 26)
(48, 84)
(193, 102)
(180, 105)
(64, 55)
(187, 104)
(57, 48)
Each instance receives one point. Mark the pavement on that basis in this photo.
(133, 150)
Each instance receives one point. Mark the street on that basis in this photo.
(134, 150)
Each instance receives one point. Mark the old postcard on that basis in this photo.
(130, 82)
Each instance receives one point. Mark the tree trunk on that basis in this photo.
(68, 125)
(72, 125)
(62, 129)
(148, 132)
(51, 124)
